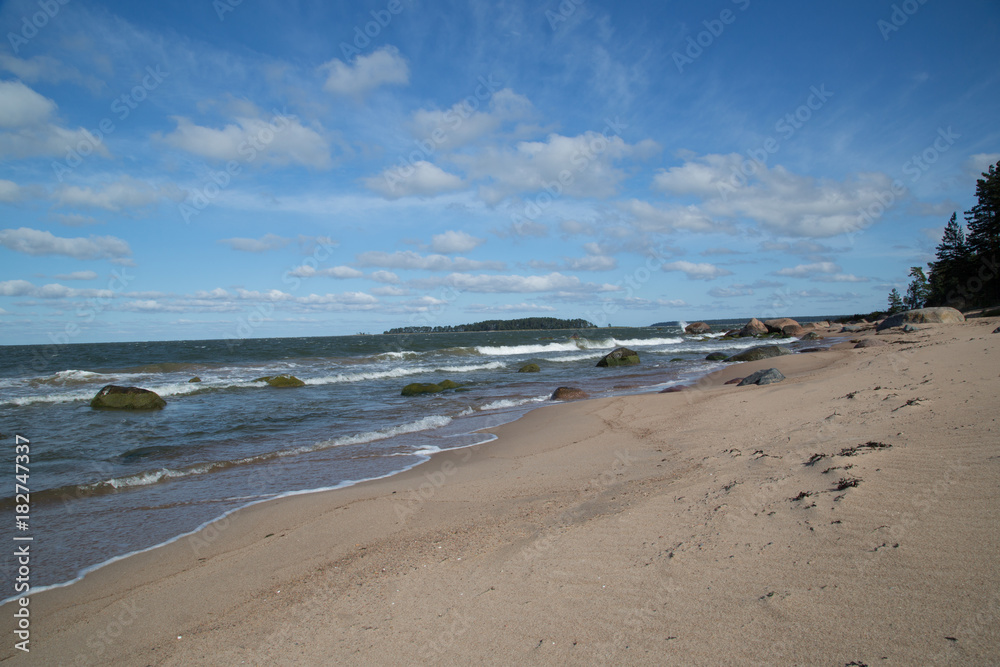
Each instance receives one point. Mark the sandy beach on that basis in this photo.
(848, 515)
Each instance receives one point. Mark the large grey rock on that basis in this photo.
(113, 397)
(621, 356)
(812, 335)
(760, 352)
(697, 328)
(852, 328)
(943, 315)
(765, 376)
(778, 325)
(753, 328)
(717, 356)
(793, 330)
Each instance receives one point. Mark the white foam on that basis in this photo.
(512, 402)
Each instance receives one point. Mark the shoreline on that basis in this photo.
(518, 412)
(505, 502)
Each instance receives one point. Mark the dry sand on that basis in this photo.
(682, 528)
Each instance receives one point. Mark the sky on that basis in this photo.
(228, 169)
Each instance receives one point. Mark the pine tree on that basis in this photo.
(949, 272)
(983, 240)
(895, 302)
(917, 292)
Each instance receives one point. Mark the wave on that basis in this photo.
(512, 402)
(149, 477)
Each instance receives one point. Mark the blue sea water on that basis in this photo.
(107, 483)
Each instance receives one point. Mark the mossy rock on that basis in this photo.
(676, 359)
(113, 397)
(417, 388)
(717, 356)
(195, 379)
(281, 381)
(448, 384)
(621, 356)
(529, 368)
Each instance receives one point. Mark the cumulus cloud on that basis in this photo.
(702, 271)
(77, 275)
(807, 270)
(343, 272)
(553, 282)
(263, 244)
(126, 193)
(385, 66)
(464, 123)
(407, 259)
(776, 199)
(20, 105)
(419, 179)
(37, 242)
(50, 291)
(279, 140)
(27, 129)
(730, 292)
(580, 166)
(452, 241)
(650, 219)
(10, 192)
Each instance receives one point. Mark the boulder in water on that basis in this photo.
(529, 368)
(113, 397)
(697, 328)
(569, 394)
(621, 356)
(717, 356)
(281, 381)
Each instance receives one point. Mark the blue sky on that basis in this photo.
(184, 170)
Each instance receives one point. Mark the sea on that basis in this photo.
(106, 483)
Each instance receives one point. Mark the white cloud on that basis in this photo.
(263, 244)
(522, 307)
(407, 259)
(730, 292)
(580, 166)
(48, 69)
(10, 192)
(776, 199)
(452, 241)
(127, 193)
(25, 115)
(50, 291)
(673, 303)
(553, 282)
(463, 123)
(694, 271)
(384, 277)
(37, 242)
(279, 140)
(389, 290)
(384, 66)
(421, 179)
(342, 272)
(807, 270)
(843, 278)
(21, 106)
(76, 219)
(574, 227)
(650, 219)
(77, 275)
(980, 163)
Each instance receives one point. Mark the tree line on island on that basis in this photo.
(500, 325)
(964, 272)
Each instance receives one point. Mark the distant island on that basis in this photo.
(501, 325)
